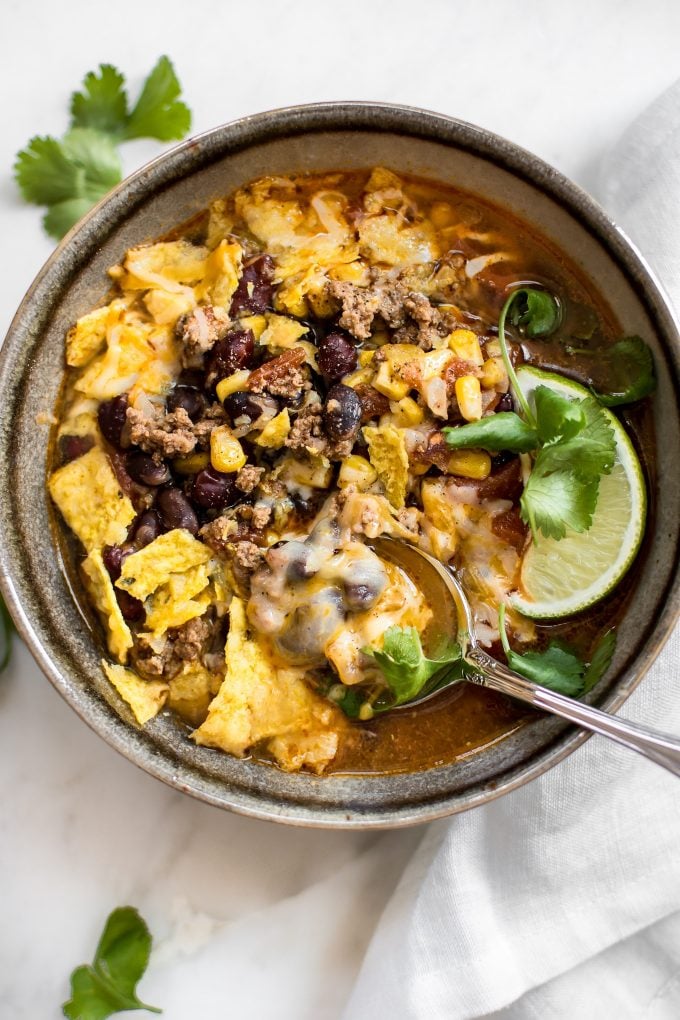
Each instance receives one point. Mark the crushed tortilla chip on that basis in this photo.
(259, 701)
(91, 501)
(100, 588)
(384, 239)
(281, 332)
(387, 453)
(166, 307)
(172, 553)
(168, 265)
(273, 435)
(87, 337)
(222, 272)
(192, 690)
(178, 600)
(145, 697)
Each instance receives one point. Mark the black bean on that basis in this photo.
(246, 405)
(505, 403)
(112, 415)
(294, 558)
(213, 489)
(311, 627)
(147, 528)
(74, 446)
(336, 356)
(144, 470)
(255, 288)
(131, 608)
(113, 557)
(189, 399)
(342, 412)
(364, 585)
(176, 511)
(235, 351)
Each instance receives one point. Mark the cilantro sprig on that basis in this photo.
(408, 672)
(558, 667)
(109, 984)
(69, 175)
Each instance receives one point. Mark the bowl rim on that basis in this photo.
(198, 152)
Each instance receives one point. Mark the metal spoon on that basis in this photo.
(454, 615)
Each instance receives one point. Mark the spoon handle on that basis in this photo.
(658, 747)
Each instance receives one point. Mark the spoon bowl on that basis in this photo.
(454, 619)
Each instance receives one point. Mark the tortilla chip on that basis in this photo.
(100, 588)
(192, 690)
(387, 453)
(87, 337)
(172, 553)
(145, 697)
(175, 602)
(91, 501)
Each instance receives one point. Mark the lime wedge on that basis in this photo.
(562, 577)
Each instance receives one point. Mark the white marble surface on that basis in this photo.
(250, 917)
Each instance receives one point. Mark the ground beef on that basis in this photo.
(198, 332)
(248, 478)
(411, 314)
(182, 644)
(170, 435)
(307, 432)
(247, 556)
(220, 533)
(174, 434)
(256, 517)
(283, 376)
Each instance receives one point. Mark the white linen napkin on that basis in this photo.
(533, 895)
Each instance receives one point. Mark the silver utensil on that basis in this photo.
(454, 616)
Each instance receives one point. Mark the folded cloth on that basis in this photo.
(532, 895)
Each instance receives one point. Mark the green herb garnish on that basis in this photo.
(69, 175)
(538, 314)
(558, 667)
(109, 984)
(407, 670)
(630, 366)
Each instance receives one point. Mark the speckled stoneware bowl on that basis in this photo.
(170, 190)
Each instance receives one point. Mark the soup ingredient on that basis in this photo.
(558, 667)
(565, 575)
(69, 175)
(407, 670)
(109, 984)
(575, 448)
(6, 635)
(629, 366)
(538, 314)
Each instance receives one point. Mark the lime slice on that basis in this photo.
(562, 577)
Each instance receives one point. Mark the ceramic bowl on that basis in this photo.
(166, 192)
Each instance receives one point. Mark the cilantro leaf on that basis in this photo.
(45, 173)
(558, 667)
(405, 666)
(557, 417)
(629, 365)
(109, 984)
(588, 453)
(351, 702)
(600, 661)
(502, 431)
(102, 104)
(535, 311)
(158, 113)
(7, 632)
(556, 502)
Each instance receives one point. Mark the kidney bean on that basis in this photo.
(73, 447)
(144, 470)
(188, 399)
(176, 511)
(235, 351)
(336, 356)
(112, 415)
(131, 608)
(213, 489)
(255, 288)
(147, 528)
(342, 412)
(113, 557)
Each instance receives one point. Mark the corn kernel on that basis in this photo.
(465, 345)
(192, 464)
(469, 397)
(388, 384)
(493, 349)
(226, 453)
(366, 357)
(362, 377)
(494, 374)
(358, 471)
(274, 434)
(469, 464)
(419, 469)
(232, 384)
(406, 412)
(365, 711)
(257, 323)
